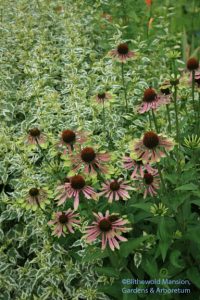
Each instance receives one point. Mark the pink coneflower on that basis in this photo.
(137, 166)
(102, 97)
(122, 53)
(149, 183)
(70, 137)
(115, 190)
(73, 189)
(36, 196)
(151, 100)
(109, 227)
(91, 160)
(35, 136)
(64, 221)
(192, 64)
(150, 147)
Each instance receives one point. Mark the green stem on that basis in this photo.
(44, 155)
(198, 128)
(150, 123)
(38, 203)
(177, 128)
(161, 178)
(124, 87)
(193, 84)
(169, 119)
(104, 124)
(176, 114)
(155, 121)
(124, 12)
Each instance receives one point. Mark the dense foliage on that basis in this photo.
(65, 70)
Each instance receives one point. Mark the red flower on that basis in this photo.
(148, 3)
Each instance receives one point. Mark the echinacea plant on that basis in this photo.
(152, 147)
(70, 138)
(122, 53)
(90, 161)
(151, 100)
(73, 189)
(115, 189)
(64, 222)
(99, 173)
(109, 228)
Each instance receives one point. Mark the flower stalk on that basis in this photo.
(193, 84)
(124, 86)
(169, 119)
(155, 121)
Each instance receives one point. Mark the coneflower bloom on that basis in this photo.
(90, 160)
(36, 196)
(103, 97)
(115, 189)
(192, 64)
(73, 189)
(69, 138)
(151, 100)
(109, 228)
(35, 136)
(122, 53)
(149, 183)
(151, 146)
(64, 222)
(137, 166)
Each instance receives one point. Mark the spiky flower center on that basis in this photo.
(148, 178)
(33, 192)
(68, 136)
(88, 154)
(192, 64)
(102, 96)
(34, 132)
(113, 218)
(123, 49)
(63, 219)
(105, 225)
(114, 185)
(77, 182)
(151, 139)
(149, 95)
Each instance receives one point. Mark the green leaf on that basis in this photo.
(163, 246)
(144, 206)
(175, 260)
(187, 187)
(112, 290)
(132, 244)
(193, 234)
(94, 254)
(194, 276)
(107, 271)
(150, 267)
